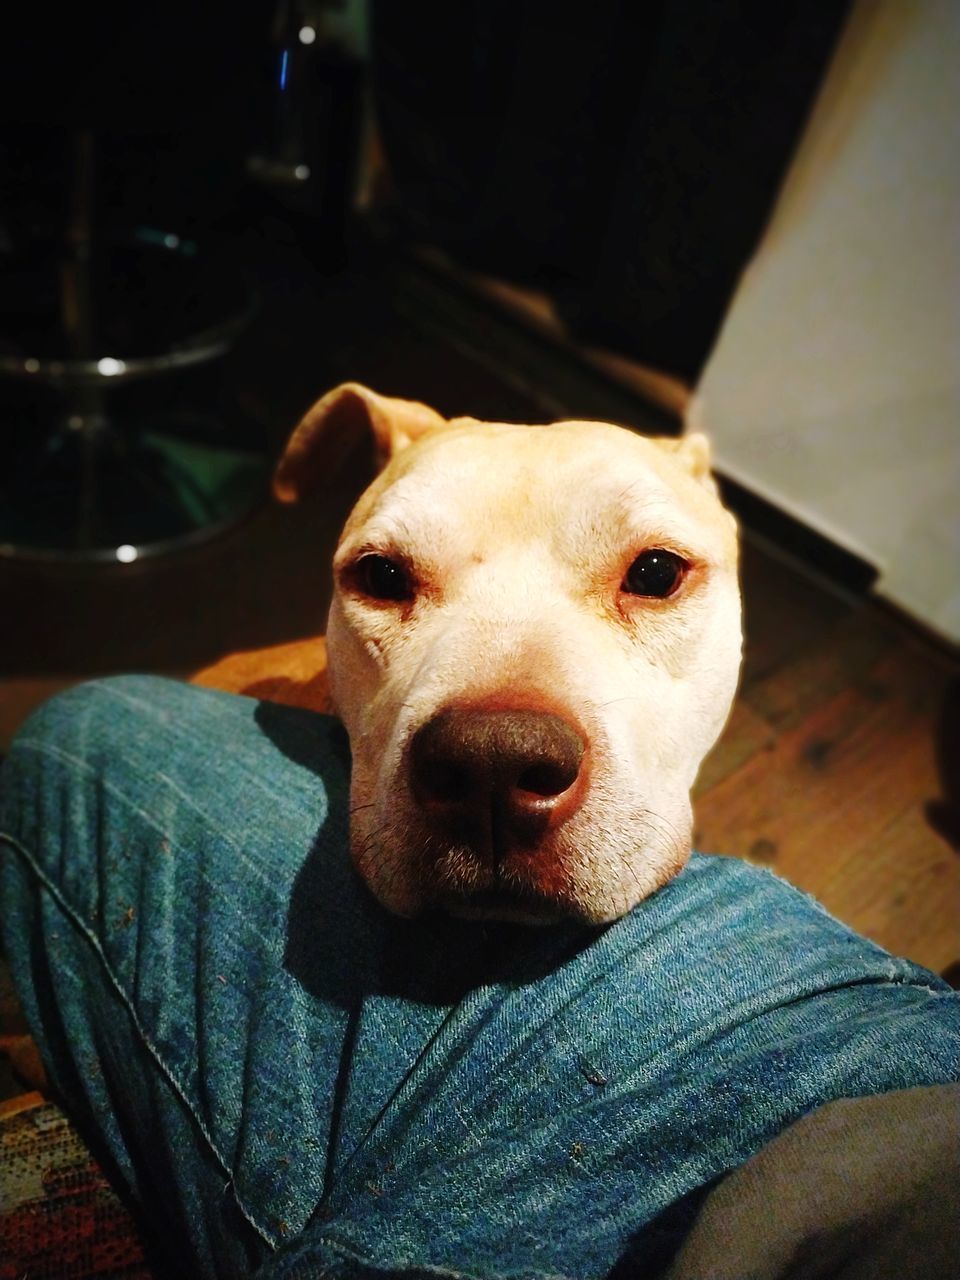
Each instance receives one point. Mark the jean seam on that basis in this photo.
(171, 1076)
(349, 1251)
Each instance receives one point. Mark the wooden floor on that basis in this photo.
(839, 768)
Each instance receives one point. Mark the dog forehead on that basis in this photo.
(532, 473)
(505, 448)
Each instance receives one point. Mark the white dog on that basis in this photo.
(533, 642)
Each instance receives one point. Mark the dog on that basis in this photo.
(534, 640)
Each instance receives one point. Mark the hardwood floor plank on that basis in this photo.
(838, 805)
(831, 662)
(746, 734)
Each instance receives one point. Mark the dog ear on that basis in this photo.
(327, 432)
(692, 450)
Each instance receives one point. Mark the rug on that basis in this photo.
(59, 1217)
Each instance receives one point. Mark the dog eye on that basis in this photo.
(655, 573)
(382, 578)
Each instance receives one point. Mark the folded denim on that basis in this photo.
(288, 1081)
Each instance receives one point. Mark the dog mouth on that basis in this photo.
(516, 888)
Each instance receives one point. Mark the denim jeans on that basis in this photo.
(287, 1081)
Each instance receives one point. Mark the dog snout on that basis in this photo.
(495, 779)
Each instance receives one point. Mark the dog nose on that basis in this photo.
(495, 778)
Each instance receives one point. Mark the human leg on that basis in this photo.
(282, 1072)
(146, 867)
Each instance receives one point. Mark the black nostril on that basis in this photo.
(444, 782)
(549, 779)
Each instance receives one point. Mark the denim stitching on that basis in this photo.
(348, 1250)
(75, 918)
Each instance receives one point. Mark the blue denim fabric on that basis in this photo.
(289, 1082)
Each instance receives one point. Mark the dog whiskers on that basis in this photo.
(652, 819)
(614, 701)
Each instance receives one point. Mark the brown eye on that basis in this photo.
(656, 573)
(382, 578)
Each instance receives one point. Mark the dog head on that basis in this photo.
(534, 640)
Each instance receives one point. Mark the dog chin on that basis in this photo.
(416, 876)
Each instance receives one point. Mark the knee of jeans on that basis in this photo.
(67, 744)
(83, 719)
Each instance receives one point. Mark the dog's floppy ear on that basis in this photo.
(328, 430)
